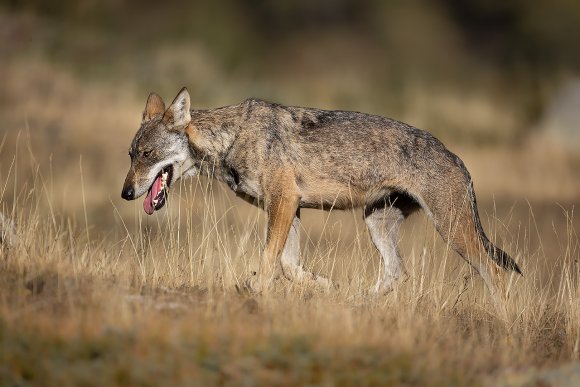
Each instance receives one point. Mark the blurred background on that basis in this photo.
(95, 292)
(497, 81)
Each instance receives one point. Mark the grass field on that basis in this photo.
(157, 304)
(95, 292)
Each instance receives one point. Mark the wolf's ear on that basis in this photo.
(178, 112)
(155, 105)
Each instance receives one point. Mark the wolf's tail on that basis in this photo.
(453, 208)
(500, 257)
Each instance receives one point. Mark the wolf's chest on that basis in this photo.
(241, 182)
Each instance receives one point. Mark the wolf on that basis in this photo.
(284, 158)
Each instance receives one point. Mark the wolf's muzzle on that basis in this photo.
(128, 193)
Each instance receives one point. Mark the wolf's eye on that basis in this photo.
(146, 153)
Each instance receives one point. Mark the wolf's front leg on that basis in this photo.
(290, 259)
(281, 206)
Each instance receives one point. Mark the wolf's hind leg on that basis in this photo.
(290, 259)
(384, 224)
(453, 210)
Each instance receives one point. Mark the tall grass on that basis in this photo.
(154, 299)
(94, 292)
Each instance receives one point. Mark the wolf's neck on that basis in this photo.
(212, 132)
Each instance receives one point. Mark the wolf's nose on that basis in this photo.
(128, 193)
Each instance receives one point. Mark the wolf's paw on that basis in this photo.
(381, 289)
(324, 284)
(257, 283)
(387, 285)
(297, 274)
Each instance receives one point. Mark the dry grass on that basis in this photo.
(153, 301)
(96, 293)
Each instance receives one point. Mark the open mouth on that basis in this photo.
(157, 194)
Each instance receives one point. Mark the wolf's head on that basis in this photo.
(159, 152)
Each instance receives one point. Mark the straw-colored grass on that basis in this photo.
(94, 292)
(154, 301)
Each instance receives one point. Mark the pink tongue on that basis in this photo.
(148, 205)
